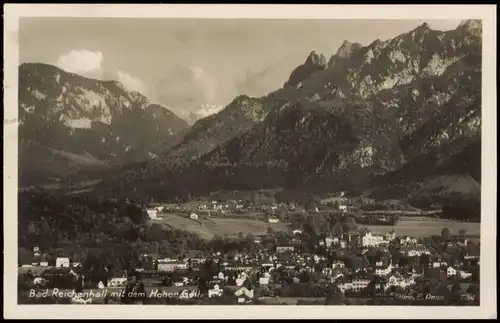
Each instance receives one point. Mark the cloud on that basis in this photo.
(186, 88)
(207, 109)
(131, 83)
(81, 62)
(262, 82)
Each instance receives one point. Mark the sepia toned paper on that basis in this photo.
(199, 62)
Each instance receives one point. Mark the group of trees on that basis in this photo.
(466, 210)
(377, 219)
(45, 219)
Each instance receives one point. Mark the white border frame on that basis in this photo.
(487, 13)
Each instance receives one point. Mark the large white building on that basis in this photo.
(117, 281)
(450, 271)
(153, 213)
(338, 264)
(368, 239)
(356, 285)
(169, 266)
(62, 262)
(241, 278)
(215, 292)
(399, 281)
(415, 251)
(383, 271)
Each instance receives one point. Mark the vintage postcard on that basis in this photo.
(280, 159)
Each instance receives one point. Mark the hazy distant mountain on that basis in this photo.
(69, 123)
(369, 112)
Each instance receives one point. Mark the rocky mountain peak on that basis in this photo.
(472, 26)
(315, 59)
(425, 25)
(86, 122)
(421, 30)
(347, 49)
(314, 62)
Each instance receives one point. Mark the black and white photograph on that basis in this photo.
(218, 157)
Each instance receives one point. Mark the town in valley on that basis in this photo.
(295, 261)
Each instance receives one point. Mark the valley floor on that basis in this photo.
(207, 227)
(425, 226)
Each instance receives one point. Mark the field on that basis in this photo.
(425, 226)
(206, 228)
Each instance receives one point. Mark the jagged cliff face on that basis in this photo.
(69, 123)
(401, 98)
(314, 63)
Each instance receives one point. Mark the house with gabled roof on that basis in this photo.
(244, 295)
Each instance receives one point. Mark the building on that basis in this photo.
(221, 276)
(242, 277)
(331, 241)
(438, 264)
(284, 249)
(169, 266)
(62, 262)
(152, 213)
(342, 202)
(407, 240)
(355, 285)
(193, 216)
(397, 280)
(464, 274)
(415, 251)
(244, 295)
(367, 239)
(390, 236)
(264, 280)
(472, 254)
(450, 272)
(195, 257)
(338, 264)
(117, 281)
(383, 270)
(216, 291)
(238, 267)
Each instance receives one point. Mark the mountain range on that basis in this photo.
(69, 123)
(385, 119)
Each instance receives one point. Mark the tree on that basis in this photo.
(334, 296)
(337, 229)
(446, 233)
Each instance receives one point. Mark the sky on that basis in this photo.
(192, 65)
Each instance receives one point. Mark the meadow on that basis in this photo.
(208, 227)
(425, 226)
